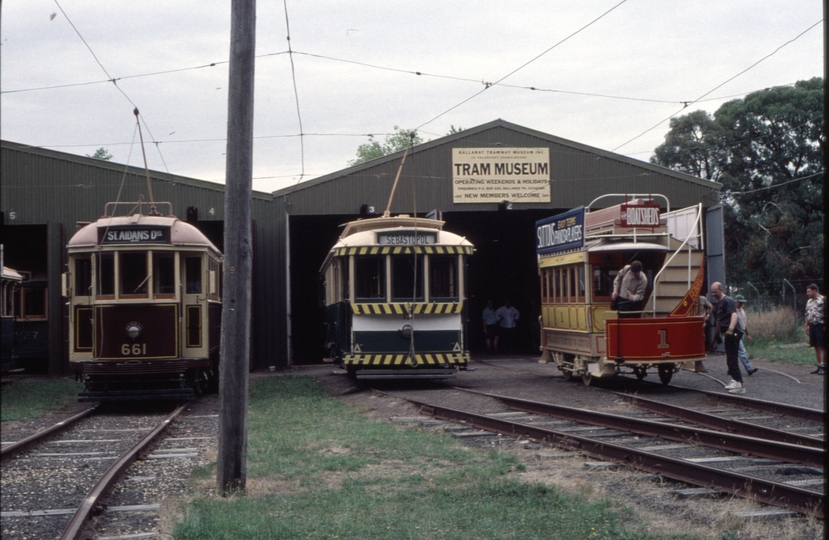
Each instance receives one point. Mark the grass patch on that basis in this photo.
(26, 400)
(771, 350)
(319, 469)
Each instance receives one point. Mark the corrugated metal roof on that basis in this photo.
(578, 173)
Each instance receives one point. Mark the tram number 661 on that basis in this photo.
(133, 350)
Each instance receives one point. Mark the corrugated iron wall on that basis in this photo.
(579, 174)
(41, 187)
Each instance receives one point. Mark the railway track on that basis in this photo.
(770, 469)
(63, 476)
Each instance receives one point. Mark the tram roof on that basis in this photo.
(181, 233)
(11, 274)
(361, 232)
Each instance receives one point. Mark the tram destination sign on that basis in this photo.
(640, 215)
(133, 235)
(407, 238)
(494, 175)
(557, 233)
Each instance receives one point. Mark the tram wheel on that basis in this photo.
(566, 374)
(640, 372)
(666, 372)
(587, 378)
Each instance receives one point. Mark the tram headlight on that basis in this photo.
(406, 331)
(134, 330)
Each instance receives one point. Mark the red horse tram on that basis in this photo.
(144, 306)
(580, 254)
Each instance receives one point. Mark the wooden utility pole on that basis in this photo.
(236, 293)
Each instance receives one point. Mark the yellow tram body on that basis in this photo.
(144, 306)
(579, 255)
(395, 299)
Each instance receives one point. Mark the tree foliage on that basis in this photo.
(767, 152)
(102, 154)
(395, 142)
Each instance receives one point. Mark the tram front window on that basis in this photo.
(370, 278)
(133, 273)
(603, 277)
(407, 278)
(164, 278)
(443, 278)
(105, 274)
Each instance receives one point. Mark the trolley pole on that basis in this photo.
(236, 294)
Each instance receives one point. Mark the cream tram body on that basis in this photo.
(144, 307)
(395, 294)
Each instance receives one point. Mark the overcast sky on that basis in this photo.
(604, 72)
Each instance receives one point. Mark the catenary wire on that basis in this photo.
(752, 66)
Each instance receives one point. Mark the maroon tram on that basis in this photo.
(580, 253)
(144, 306)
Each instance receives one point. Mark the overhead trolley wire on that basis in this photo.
(111, 79)
(687, 104)
(522, 66)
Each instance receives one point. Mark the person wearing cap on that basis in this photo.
(741, 351)
(629, 290)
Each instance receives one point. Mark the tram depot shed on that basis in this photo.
(527, 176)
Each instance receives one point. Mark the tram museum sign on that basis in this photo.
(500, 174)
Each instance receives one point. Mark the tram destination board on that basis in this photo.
(407, 238)
(557, 233)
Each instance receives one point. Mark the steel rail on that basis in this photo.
(17, 447)
(92, 502)
(725, 424)
(729, 442)
(802, 413)
(772, 493)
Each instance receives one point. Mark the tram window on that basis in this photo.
(443, 278)
(192, 274)
(370, 278)
(407, 277)
(133, 273)
(164, 273)
(344, 279)
(8, 300)
(580, 289)
(545, 285)
(603, 277)
(33, 303)
(83, 277)
(105, 273)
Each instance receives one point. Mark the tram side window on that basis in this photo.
(83, 277)
(30, 303)
(192, 274)
(370, 278)
(407, 277)
(164, 273)
(133, 273)
(105, 274)
(603, 276)
(443, 278)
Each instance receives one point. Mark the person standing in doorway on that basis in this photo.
(629, 289)
(507, 322)
(728, 327)
(490, 320)
(741, 352)
(815, 325)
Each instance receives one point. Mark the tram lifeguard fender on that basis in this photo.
(648, 340)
